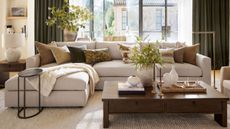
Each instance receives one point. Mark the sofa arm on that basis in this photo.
(224, 75)
(204, 63)
(33, 61)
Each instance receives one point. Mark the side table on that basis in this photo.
(6, 67)
(35, 72)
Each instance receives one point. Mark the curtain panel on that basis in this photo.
(44, 33)
(212, 15)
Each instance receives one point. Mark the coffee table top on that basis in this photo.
(110, 92)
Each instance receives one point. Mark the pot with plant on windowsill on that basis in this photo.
(69, 18)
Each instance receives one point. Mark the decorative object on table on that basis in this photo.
(180, 87)
(13, 42)
(134, 81)
(69, 18)
(18, 11)
(9, 29)
(33, 72)
(170, 78)
(125, 88)
(145, 57)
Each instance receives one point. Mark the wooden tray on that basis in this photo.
(182, 88)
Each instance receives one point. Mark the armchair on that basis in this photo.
(225, 80)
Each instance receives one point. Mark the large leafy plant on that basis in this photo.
(146, 54)
(69, 17)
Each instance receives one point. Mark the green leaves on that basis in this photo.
(68, 17)
(145, 55)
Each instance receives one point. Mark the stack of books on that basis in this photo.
(124, 88)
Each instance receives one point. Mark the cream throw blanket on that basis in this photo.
(51, 74)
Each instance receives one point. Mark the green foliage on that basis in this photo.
(109, 17)
(145, 55)
(69, 17)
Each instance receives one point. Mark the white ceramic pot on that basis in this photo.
(13, 54)
(145, 76)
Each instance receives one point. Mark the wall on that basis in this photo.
(30, 28)
(2, 25)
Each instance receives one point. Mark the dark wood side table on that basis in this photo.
(6, 67)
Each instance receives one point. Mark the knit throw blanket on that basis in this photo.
(51, 74)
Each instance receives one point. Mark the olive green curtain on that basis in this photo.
(44, 33)
(212, 15)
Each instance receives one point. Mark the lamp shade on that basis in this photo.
(14, 40)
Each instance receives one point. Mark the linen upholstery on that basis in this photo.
(90, 45)
(114, 68)
(113, 49)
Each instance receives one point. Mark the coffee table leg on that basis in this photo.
(222, 118)
(105, 114)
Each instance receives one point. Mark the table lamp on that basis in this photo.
(13, 42)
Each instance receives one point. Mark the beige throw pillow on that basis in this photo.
(179, 55)
(167, 55)
(190, 54)
(61, 54)
(46, 55)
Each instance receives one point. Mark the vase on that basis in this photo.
(13, 54)
(171, 77)
(69, 36)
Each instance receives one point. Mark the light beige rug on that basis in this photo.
(90, 117)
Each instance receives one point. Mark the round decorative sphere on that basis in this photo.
(133, 80)
(13, 54)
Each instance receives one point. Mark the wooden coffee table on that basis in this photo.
(212, 102)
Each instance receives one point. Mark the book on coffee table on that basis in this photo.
(125, 88)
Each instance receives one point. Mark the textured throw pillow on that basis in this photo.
(97, 55)
(77, 53)
(179, 55)
(61, 55)
(46, 55)
(190, 54)
(167, 55)
(126, 52)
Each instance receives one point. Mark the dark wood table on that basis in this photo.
(212, 102)
(6, 67)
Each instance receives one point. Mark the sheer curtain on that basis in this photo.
(185, 21)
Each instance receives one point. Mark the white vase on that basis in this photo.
(13, 54)
(174, 75)
(146, 76)
(171, 77)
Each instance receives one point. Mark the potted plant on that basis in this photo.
(145, 56)
(69, 18)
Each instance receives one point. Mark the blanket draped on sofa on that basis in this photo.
(51, 74)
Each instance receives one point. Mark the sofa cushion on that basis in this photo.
(114, 68)
(183, 69)
(77, 54)
(93, 56)
(75, 81)
(113, 49)
(61, 54)
(190, 54)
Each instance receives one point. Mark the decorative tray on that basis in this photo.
(180, 87)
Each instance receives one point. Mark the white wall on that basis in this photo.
(2, 26)
(30, 28)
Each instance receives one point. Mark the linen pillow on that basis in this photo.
(77, 53)
(179, 55)
(167, 55)
(46, 55)
(190, 54)
(126, 52)
(97, 55)
(61, 55)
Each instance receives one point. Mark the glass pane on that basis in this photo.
(83, 32)
(121, 19)
(98, 20)
(153, 19)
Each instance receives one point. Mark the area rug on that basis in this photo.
(90, 117)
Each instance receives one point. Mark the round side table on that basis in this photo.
(35, 72)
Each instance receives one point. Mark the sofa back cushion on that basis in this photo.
(90, 45)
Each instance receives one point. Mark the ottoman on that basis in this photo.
(71, 90)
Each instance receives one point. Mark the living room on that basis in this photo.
(119, 64)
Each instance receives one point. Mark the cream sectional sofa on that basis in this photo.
(73, 89)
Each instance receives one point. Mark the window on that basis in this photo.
(124, 19)
(169, 20)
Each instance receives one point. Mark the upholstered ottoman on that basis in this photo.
(69, 91)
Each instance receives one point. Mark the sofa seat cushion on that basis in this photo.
(183, 69)
(114, 68)
(226, 87)
(75, 81)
